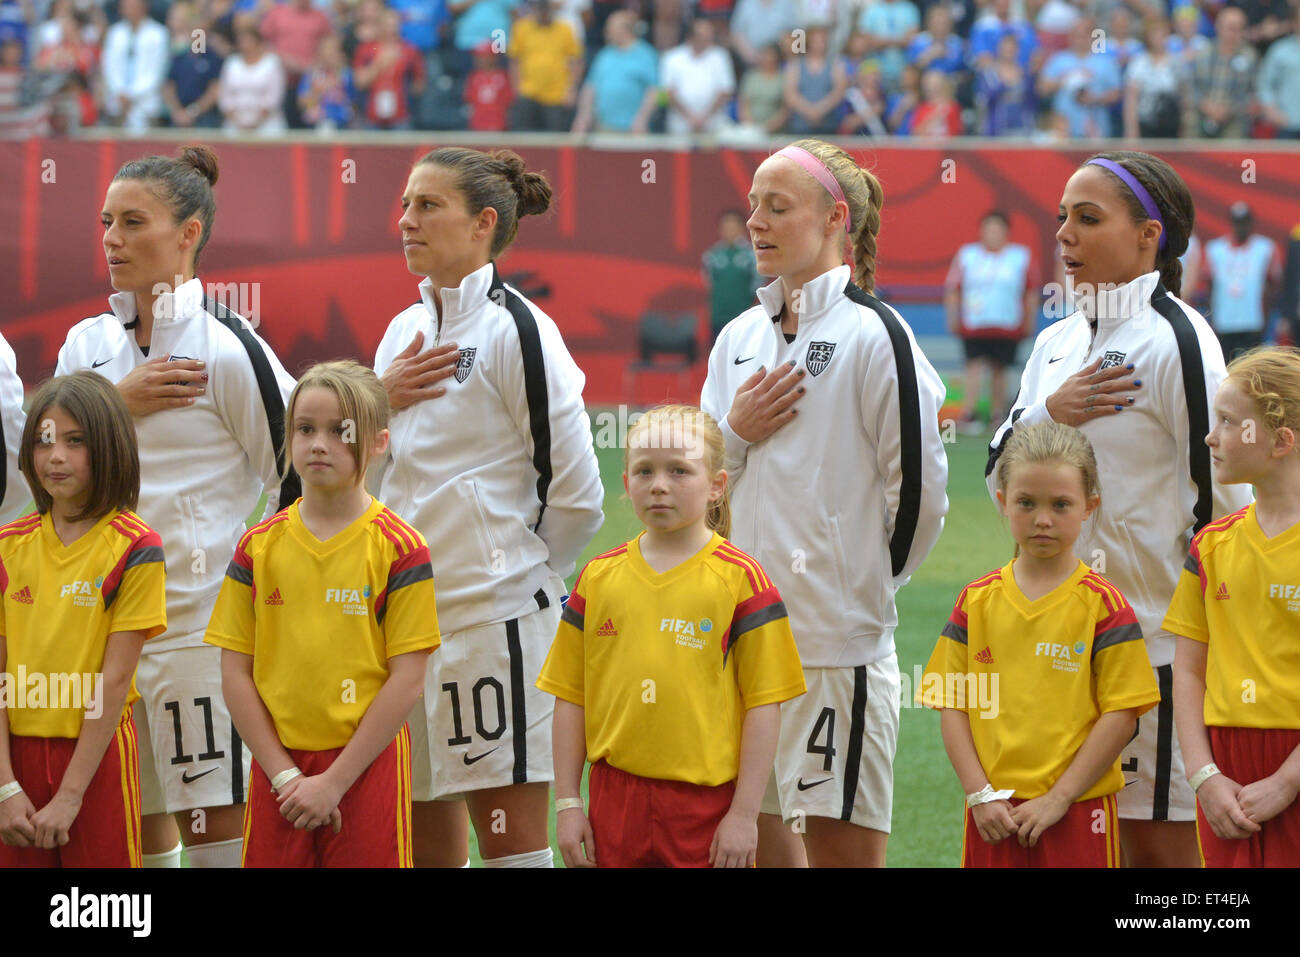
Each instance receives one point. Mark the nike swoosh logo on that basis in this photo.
(738, 360)
(1057, 359)
(96, 365)
(469, 760)
(186, 779)
(805, 787)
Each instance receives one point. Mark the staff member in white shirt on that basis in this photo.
(840, 497)
(1135, 369)
(207, 395)
(491, 459)
(134, 67)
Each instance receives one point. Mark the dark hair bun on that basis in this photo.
(203, 159)
(533, 190)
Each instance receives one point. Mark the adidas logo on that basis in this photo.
(23, 595)
(984, 657)
(274, 598)
(607, 630)
(1222, 593)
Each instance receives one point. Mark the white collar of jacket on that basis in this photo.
(816, 297)
(1110, 307)
(462, 300)
(168, 307)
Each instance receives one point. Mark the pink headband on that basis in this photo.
(815, 166)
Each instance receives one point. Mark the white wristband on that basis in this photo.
(1203, 775)
(986, 794)
(9, 790)
(283, 778)
(568, 804)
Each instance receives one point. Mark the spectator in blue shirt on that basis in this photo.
(481, 21)
(888, 27)
(938, 48)
(422, 22)
(1083, 84)
(190, 91)
(997, 23)
(621, 91)
(1004, 93)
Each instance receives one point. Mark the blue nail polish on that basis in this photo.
(1137, 382)
(1130, 367)
(1119, 408)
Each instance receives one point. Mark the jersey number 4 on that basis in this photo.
(824, 720)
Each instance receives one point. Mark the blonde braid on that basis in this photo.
(864, 196)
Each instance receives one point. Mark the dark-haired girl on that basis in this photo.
(207, 395)
(81, 590)
(491, 460)
(1136, 369)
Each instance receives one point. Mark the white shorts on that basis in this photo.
(835, 758)
(190, 753)
(482, 722)
(1155, 783)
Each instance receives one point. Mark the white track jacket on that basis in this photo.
(14, 492)
(203, 467)
(1157, 485)
(843, 503)
(499, 474)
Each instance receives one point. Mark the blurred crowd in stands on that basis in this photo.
(1049, 70)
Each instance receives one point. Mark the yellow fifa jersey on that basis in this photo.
(1034, 676)
(61, 603)
(666, 665)
(321, 619)
(1240, 594)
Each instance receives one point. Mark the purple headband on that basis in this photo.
(815, 166)
(1143, 197)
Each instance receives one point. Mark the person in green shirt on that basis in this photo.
(730, 271)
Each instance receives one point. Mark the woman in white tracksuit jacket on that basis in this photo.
(1136, 369)
(840, 497)
(207, 394)
(491, 459)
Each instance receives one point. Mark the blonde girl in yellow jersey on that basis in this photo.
(669, 665)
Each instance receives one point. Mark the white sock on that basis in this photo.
(170, 858)
(216, 854)
(542, 858)
(466, 864)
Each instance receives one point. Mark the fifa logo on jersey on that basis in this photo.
(353, 600)
(1289, 593)
(1063, 656)
(685, 631)
(82, 592)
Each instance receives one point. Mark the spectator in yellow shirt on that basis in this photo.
(545, 70)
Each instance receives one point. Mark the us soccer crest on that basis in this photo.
(464, 364)
(1112, 359)
(819, 356)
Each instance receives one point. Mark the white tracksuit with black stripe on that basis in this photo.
(845, 501)
(16, 494)
(202, 467)
(499, 474)
(1157, 485)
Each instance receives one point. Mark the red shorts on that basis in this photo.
(646, 822)
(1088, 836)
(106, 832)
(1246, 755)
(376, 814)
